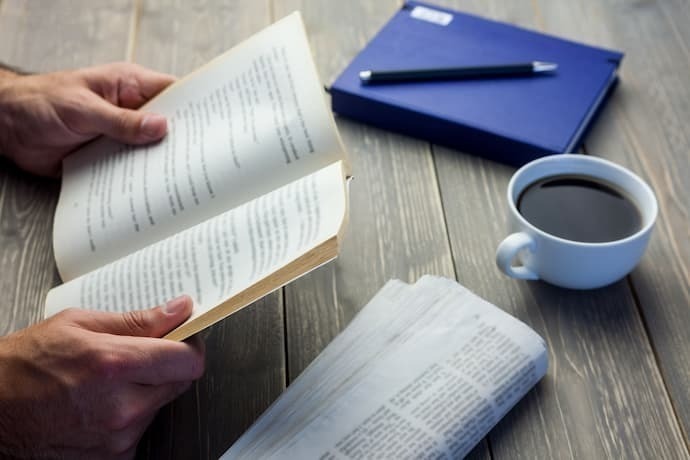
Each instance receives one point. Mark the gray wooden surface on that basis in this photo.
(617, 385)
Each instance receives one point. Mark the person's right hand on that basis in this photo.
(86, 384)
(44, 117)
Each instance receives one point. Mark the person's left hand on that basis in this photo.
(86, 384)
(45, 117)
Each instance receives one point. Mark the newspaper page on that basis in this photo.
(424, 371)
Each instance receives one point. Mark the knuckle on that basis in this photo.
(135, 322)
(69, 314)
(126, 124)
(82, 98)
(125, 73)
(108, 364)
(75, 109)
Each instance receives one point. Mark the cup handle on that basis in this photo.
(507, 252)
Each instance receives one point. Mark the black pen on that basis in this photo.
(448, 73)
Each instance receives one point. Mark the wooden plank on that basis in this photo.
(645, 131)
(71, 35)
(26, 255)
(245, 354)
(396, 227)
(603, 395)
(245, 372)
(396, 224)
(63, 34)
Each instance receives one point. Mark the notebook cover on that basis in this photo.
(512, 120)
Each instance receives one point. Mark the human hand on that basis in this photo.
(45, 117)
(86, 384)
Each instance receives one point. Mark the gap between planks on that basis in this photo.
(132, 36)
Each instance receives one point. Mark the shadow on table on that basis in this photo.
(593, 338)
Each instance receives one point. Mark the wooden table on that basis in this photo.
(617, 385)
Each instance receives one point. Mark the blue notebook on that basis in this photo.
(509, 119)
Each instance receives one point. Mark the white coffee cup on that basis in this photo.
(530, 253)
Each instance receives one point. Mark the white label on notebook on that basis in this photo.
(429, 15)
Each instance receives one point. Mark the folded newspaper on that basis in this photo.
(423, 371)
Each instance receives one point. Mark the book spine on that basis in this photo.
(435, 130)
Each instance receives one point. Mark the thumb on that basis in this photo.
(154, 322)
(157, 321)
(126, 125)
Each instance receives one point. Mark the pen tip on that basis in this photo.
(365, 75)
(540, 66)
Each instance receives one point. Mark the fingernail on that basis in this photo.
(175, 305)
(153, 126)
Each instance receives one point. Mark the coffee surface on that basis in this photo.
(579, 208)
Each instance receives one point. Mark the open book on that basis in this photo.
(246, 192)
(423, 371)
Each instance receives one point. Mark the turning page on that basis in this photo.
(222, 257)
(250, 121)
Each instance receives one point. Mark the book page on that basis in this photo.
(427, 375)
(250, 121)
(220, 257)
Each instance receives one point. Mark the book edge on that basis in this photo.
(614, 57)
(310, 260)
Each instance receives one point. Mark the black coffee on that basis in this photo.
(579, 208)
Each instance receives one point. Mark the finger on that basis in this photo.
(151, 82)
(124, 125)
(148, 399)
(154, 361)
(197, 341)
(137, 87)
(124, 442)
(154, 322)
(126, 84)
(155, 397)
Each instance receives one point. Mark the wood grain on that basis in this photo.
(396, 227)
(70, 36)
(244, 374)
(603, 395)
(396, 220)
(645, 130)
(245, 354)
(620, 357)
